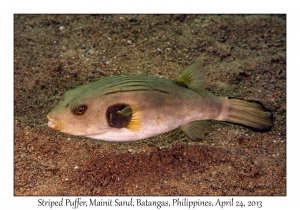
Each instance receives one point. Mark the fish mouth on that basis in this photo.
(52, 123)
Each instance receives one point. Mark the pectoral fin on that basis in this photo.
(135, 122)
(124, 116)
(195, 130)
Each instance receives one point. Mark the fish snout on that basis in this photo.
(52, 123)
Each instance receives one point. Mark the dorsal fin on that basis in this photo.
(193, 76)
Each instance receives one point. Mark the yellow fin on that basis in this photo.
(195, 130)
(124, 116)
(135, 123)
(193, 76)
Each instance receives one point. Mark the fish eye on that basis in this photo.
(81, 110)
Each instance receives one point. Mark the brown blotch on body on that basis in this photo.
(118, 115)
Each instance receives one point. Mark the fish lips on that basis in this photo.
(52, 123)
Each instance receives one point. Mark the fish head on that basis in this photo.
(78, 114)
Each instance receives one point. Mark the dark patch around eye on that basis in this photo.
(80, 110)
(115, 116)
(67, 105)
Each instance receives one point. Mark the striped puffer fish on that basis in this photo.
(133, 107)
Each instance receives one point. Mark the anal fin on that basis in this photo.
(195, 130)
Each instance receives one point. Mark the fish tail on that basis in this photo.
(248, 113)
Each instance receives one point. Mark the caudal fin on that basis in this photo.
(251, 114)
